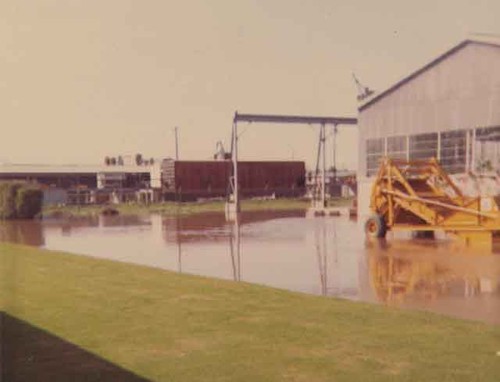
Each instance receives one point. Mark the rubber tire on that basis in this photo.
(375, 227)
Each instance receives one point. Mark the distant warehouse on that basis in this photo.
(449, 110)
(165, 180)
(82, 184)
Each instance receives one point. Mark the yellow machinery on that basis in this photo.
(419, 196)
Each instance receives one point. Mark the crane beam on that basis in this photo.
(299, 119)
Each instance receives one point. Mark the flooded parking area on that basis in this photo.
(323, 255)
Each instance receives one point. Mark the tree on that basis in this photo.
(120, 161)
(152, 161)
(113, 161)
(138, 159)
(107, 161)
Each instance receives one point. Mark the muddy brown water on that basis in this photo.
(321, 255)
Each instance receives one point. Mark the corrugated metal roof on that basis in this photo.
(9, 168)
(485, 39)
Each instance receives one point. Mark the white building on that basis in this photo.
(449, 109)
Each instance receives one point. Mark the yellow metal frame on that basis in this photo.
(420, 196)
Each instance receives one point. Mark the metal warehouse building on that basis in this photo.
(449, 109)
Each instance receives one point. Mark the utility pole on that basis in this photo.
(176, 144)
(334, 153)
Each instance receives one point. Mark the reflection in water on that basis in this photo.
(27, 232)
(123, 220)
(394, 278)
(235, 248)
(326, 251)
(232, 233)
(436, 277)
(322, 255)
(179, 244)
(325, 256)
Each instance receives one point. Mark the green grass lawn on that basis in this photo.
(172, 327)
(173, 208)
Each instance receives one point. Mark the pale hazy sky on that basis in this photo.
(81, 79)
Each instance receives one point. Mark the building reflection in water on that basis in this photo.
(420, 275)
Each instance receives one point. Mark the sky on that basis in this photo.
(83, 79)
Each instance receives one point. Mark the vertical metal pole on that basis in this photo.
(176, 144)
(335, 153)
(325, 260)
(472, 164)
(467, 151)
(439, 147)
(235, 167)
(495, 162)
(408, 148)
(323, 165)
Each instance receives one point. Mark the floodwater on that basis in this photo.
(318, 255)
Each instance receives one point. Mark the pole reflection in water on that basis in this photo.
(179, 244)
(325, 242)
(322, 256)
(235, 247)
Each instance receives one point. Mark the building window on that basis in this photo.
(423, 146)
(487, 149)
(374, 153)
(453, 151)
(397, 147)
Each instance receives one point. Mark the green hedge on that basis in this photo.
(19, 200)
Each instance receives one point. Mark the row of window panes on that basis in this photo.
(375, 146)
(423, 137)
(396, 144)
(373, 161)
(452, 147)
(452, 152)
(488, 133)
(421, 146)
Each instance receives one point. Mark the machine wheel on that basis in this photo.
(375, 226)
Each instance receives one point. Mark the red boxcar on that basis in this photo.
(189, 180)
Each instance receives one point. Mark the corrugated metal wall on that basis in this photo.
(211, 178)
(460, 92)
(202, 176)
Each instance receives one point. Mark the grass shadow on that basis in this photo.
(28, 353)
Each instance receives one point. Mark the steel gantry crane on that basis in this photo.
(233, 205)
